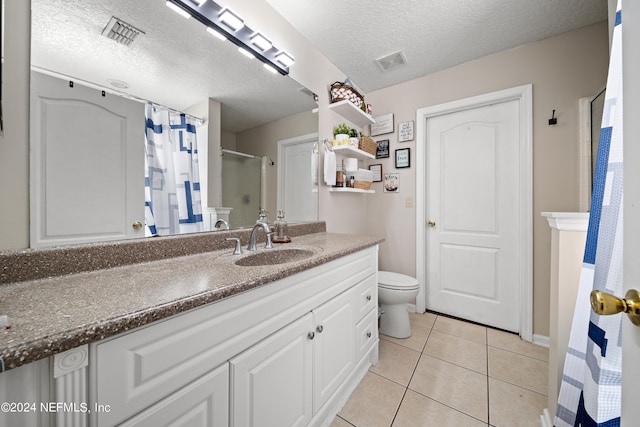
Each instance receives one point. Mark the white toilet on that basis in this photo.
(395, 290)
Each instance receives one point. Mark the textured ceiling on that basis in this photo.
(433, 34)
(176, 63)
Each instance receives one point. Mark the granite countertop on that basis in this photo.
(53, 314)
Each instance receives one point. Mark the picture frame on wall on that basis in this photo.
(377, 172)
(383, 149)
(405, 131)
(403, 158)
(391, 183)
(383, 124)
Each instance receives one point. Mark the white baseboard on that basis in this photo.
(545, 418)
(541, 340)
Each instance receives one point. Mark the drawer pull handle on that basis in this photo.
(368, 334)
(320, 328)
(311, 335)
(368, 297)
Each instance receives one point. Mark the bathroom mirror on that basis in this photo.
(172, 61)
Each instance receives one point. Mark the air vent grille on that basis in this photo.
(392, 61)
(122, 32)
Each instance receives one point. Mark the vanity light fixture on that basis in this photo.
(230, 19)
(246, 53)
(178, 10)
(216, 33)
(284, 58)
(230, 25)
(261, 41)
(270, 68)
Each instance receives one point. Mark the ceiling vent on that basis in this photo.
(122, 32)
(392, 61)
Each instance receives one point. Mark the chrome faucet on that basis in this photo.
(252, 237)
(220, 222)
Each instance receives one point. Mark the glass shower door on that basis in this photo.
(241, 184)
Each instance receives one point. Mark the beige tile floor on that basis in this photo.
(451, 373)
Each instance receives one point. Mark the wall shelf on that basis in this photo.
(350, 112)
(350, 151)
(350, 190)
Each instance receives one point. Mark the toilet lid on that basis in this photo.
(390, 280)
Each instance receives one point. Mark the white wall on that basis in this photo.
(562, 69)
(14, 144)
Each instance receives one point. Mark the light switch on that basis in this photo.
(408, 202)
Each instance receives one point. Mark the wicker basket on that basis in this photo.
(363, 185)
(340, 92)
(367, 144)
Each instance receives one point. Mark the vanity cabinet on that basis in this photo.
(286, 353)
(286, 378)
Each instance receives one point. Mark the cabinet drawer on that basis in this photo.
(366, 296)
(205, 402)
(366, 333)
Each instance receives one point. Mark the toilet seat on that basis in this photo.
(396, 281)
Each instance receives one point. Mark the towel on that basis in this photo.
(330, 168)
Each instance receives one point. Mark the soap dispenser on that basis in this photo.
(281, 229)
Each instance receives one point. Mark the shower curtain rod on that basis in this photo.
(237, 153)
(112, 91)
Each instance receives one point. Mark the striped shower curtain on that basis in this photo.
(590, 393)
(172, 182)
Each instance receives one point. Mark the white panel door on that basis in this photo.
(472, 210)
(87, 164)
(297, 178)
(271, 381)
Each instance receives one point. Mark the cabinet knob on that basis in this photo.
(311, 335)
(320, 328)
(137, 225)
(368, 297)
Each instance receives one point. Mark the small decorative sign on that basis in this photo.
(403, 158)
(405, 131)
(391, 183)
(377, 172)
(383, 124)
(383, 149)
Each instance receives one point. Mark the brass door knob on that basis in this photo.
(605, 304)
(137, 225)
(431, 223)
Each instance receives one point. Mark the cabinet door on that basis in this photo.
(334, 346)
(271, 381)
(205, 402)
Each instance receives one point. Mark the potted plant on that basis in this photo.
(353, 137)
(341, 132)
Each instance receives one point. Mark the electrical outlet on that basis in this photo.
(408, 202)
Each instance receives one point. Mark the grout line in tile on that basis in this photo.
(450, 407)
(486, 333)
(516, 352)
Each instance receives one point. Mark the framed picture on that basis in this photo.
(391, 183)
(377, 172)
(383, 124)
(403, 158)
(383, 149)
(405, 131)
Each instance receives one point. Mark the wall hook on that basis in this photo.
(553, 120)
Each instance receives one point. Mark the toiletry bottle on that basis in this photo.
(281, 227)
(339, 176)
